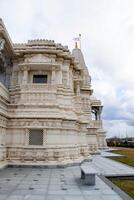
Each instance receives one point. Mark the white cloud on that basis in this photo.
(118, 128)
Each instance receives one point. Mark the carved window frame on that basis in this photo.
(27, 137)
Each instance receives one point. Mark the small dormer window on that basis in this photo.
(39, 78)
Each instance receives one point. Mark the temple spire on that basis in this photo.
(77, 53)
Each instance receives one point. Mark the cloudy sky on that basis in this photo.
(107, 28)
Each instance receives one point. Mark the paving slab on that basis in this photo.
(3, 165)
(61, 183)
(108, 167)
(110, 154)
(51, 184)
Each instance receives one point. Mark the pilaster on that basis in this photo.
(53, 75)
(78, 88)
(25, 75)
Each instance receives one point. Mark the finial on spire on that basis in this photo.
(77, 39)
(80, 39)
(76, 45)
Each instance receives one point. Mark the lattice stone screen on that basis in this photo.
(35, 136)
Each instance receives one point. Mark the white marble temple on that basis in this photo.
(46, 103)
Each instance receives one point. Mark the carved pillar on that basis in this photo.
(60, 75)
(96, 115)
(53, 75)
(99, 112)
(19, 77)
(78, 88)
(26, 137)
(71, 77)
(25, 75)
(66, 65)
(68, 76)
(2, 43)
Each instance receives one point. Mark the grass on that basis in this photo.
(127, 185)
(128, 157)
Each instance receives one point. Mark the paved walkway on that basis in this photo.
(60, 183)
(2, 165)
(110, 154)
(108, 167)
(50, 184)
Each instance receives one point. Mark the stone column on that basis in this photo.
(66, 65)
(19, 76)
(99, 113)
(53, 75)
(68, 74)
(71, 77)
(25, 75)
(60, 75)
(96, 115)
(99, 116)
(78, 88)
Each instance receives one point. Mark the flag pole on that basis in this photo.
(80, 40)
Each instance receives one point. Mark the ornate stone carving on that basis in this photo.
(38, 58)
(2, 42)
(35, 123)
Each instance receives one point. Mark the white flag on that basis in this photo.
(76, 39)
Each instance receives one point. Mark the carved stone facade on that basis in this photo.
(46, 103)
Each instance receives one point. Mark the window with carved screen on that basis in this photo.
(39, 78)
(35, 136)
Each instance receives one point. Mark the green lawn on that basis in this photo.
(126, 185)
(128, 157)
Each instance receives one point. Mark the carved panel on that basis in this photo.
(38, 58)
